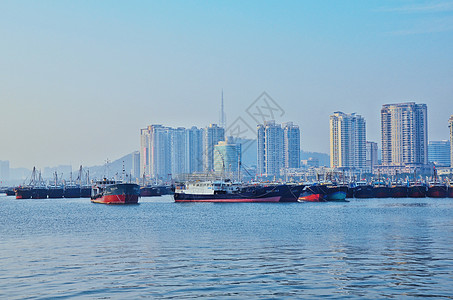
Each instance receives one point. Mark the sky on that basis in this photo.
(78, 79)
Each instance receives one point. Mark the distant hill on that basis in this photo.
(324, 159)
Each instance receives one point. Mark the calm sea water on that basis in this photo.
(370, 248)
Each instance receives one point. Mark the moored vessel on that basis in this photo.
(312, 193)
(437, 190)
(225, 191)
(115, 192)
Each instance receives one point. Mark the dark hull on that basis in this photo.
(437, 191)
(398, 191)
(10, 192)
(55, 192)
(39, 193)
(365, 191)
(416, 191)
(23, 193)
(121, 193)
(272, 193)
(450, 191)
(72, 192)
(381, 192)
(85, 192)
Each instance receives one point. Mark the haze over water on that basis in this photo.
(371, 248)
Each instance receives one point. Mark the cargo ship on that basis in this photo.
(226, 191)
(115, 192)
(23, 192)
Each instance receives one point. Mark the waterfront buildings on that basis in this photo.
(270, 148)
(167, 152)
(211, 136)
(450, 125)
(291, 145)
(439, 153)
(227, 158)
(277, 148)
(347, 141)
(404, 129)
(371, 156)
(194, 140)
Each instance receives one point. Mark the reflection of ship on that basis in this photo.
(114, 192)
(227, 191)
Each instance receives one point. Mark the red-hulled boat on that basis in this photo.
(114, 192)
(313, 193)
(398, 191)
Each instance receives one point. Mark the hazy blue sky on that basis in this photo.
(78, 79)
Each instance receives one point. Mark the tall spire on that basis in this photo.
(222, 121)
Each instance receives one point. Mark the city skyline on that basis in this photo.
(78, 79)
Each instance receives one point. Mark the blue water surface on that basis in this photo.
(369, 248)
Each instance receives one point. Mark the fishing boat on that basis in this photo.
(225, 191)
(363, 190)
(115, 192)
(312, 193)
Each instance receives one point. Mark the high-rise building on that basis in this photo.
(439, 153)
(270, 149)
(155, 152)
(194, 141)
(212, 135)
(291, 145)
(450, 125)
(227, 157)
(347, 141)
(178, 151)
(371, 155)
(404, 134)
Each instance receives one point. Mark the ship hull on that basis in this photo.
(122, 193)
(72, 192)
(336, 196)
(209, 198)
(271, 193)
(365, 191)
(312, 198)
(381, 192)
(39, 193)
(450, 191)
(23, 193)
(55, 193)
(437, 191)
(416, 191)
(398, 191)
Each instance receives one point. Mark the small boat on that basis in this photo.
(115, 192)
